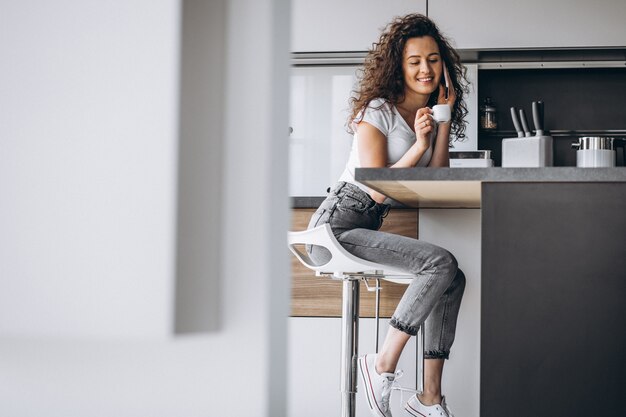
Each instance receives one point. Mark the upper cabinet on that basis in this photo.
(496, 24)
(344, 25)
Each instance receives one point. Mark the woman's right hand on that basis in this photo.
(424, 125)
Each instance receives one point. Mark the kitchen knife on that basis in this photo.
(522, 117)
(538, 117)
(518, 128)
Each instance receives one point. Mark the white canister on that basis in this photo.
(594, 152)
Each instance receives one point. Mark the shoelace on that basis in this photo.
(388, 386)
(397, 387)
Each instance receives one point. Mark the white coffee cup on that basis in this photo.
(441, 113)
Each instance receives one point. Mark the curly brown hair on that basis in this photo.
(382, 76)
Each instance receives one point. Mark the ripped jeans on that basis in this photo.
(432, 299)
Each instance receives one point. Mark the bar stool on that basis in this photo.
(351, 270)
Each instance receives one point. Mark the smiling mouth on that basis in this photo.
(425, 80)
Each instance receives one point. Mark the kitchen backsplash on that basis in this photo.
(578, 102)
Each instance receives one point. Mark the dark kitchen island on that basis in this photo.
(553, 290)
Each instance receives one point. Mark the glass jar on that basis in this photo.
(488, 115)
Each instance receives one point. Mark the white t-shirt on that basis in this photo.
(399, 135)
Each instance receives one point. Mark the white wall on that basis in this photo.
(459, 231)
(87, 167)
(88, 135)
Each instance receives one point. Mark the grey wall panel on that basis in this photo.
(553, 299)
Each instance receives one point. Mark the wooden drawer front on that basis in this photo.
(313, 296)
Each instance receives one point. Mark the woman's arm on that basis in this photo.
(441, 154)
(373, 152)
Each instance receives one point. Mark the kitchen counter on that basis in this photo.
(461, 187)
(552, 280)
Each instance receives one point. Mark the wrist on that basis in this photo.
(444, 127)
(420, 147)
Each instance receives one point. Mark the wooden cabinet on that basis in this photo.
(344, 25)
(313, 296)
(493, 24)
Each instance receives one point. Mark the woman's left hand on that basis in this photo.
(441, 99)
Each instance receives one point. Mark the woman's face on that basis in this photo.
(421, 65)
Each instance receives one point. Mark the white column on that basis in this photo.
(88, 151)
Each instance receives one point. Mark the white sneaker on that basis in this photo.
(445, 406)
(377, 386)
(415, 408)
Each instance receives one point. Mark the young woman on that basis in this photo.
(403, 77)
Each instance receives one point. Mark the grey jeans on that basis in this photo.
(432, 299)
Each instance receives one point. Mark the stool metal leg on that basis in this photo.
(377, 311)
(419, 360)
(349, 346)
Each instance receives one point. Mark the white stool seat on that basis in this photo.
(342, 263)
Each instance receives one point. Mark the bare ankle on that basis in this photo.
(430, 398)
(382, 366)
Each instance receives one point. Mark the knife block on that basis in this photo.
(528, 152)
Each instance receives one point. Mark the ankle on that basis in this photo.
(383, 366)
(430, 398)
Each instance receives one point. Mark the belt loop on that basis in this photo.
(339, 187)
